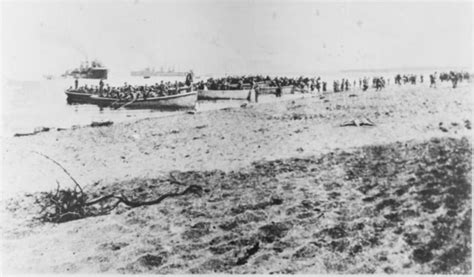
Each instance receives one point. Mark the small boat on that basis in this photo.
(224, 94)
(287, 89)
(305, 89)
(75, 96)
(185, 100)
(272, 90)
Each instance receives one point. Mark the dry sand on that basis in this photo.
(345, 212)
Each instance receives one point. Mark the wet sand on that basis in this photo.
(321, 177)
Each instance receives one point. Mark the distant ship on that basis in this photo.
(93, 71)
(149, 72)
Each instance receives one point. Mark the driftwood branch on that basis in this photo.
(65, 170)
(70, 204)
(67, 205)
(122, 199)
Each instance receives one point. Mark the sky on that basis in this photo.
(233, 37)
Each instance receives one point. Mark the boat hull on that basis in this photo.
(78, 97)
(172, 102)
(224, 94)
(287, 90)
(272, 90)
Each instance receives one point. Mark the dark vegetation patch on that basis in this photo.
(259, 206)
(436, 174)
(274, 231)
(248, 253)
(212, 265)
(349, 205)
(197, 231)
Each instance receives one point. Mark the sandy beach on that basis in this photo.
(286, 189)
(232, 138)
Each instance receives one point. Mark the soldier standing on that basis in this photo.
(101, 85)
(432, 81)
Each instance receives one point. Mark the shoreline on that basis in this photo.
(230, 138)
(124, 116)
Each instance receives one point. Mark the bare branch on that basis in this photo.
(58, 164)
(123, 199)
(97, 200)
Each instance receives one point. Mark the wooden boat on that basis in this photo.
(224, 94)
(272, 90)
(301, 90)
(287, 90)
(185, 100)
(75, 96)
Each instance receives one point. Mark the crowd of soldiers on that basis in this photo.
(447, 76)
(301, 84)
(451, 76)
(378, 83)
(247, 82)
(129, 92)
(454, 77)
(343, 85)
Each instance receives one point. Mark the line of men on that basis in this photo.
(454, 77)
(344, 85)
(407, 78)
(302, 84)
(247, 82)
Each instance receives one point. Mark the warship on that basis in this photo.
(93, 71)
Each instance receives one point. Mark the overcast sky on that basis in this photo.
(49, 37)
